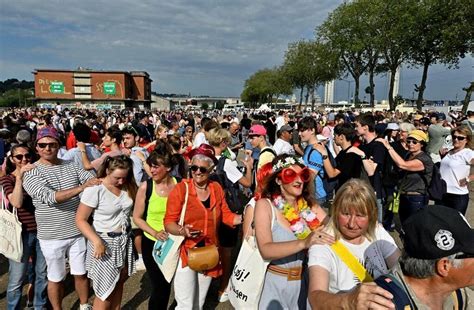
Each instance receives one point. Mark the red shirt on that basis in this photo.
(199, 216)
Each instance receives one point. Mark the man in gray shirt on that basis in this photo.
(437, 134)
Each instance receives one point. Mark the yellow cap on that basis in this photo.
(418, 135)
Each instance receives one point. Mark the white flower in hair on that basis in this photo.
(287, 162)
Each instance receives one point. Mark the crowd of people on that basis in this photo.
(321, 193)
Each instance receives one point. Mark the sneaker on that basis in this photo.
(223, 296)
(85, 307)
(139, 264)
(29, 306)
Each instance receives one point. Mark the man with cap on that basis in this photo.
(436, 269)
(257, 137)
(437, 135)
(282, 144)
(55, 185)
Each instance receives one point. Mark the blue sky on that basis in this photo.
(201, 47)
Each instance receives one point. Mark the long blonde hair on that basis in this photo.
(355, 195)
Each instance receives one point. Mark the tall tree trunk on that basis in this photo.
(306, 98)
(356, 90)
(301, 98)
(465, 104)
(372, 88)
(391, 102)
(312, 97)
(422, 87)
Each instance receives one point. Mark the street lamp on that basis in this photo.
(348, 89)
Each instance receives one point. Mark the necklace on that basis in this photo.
(200, 187)
(301, 218)
(163, 186)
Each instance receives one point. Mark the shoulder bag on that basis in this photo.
(166, 253)
(11, 244)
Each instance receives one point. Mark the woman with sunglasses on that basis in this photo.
(287, 222)
(455, 170)
(17, 164)
(417, 168)
(109, 259)
(148, 216)
(206, 209)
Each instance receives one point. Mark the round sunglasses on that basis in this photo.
(288, 175)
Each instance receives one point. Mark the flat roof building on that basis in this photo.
(85, 88)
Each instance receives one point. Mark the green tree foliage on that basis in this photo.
(16, 97)
(440, 35)
(264, 84)
(204, 106)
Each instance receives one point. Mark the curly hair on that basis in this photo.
(270, 187)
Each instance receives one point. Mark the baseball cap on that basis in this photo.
(257, 130)
(393, 126)
(286, 128)
(419, 135)
(436, 232)
(47, 132)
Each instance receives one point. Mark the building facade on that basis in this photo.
(84, 88)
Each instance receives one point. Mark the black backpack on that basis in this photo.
(401, 299)
(437, 186)
(255, 167)
(231, 190)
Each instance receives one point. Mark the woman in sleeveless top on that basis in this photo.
(287, 222)
(149, 215)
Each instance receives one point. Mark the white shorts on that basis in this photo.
(55, 252)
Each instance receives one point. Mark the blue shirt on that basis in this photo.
(314, 160)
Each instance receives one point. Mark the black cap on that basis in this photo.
(436, 232)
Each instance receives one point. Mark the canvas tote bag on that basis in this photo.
(166, 253)
(11, 244)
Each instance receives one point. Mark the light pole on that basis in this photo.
(348, 89)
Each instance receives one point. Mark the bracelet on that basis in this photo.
(389, 149)
(180, 230)
(83, 152)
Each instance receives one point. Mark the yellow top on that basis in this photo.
(156, 211)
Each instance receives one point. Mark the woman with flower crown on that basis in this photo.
(287, 222)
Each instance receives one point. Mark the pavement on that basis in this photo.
(136, 291)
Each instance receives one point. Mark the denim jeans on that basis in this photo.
(17, 274)
(410, 204)
(453, 201)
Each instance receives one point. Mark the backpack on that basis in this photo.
(231, 190)
(437, 187)
(402, 300)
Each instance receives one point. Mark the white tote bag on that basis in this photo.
(248, 276)
(11, 244)
(166, 254)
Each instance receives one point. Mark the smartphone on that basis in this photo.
(195, 233)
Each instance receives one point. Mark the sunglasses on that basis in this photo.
(464, 256)
(21, 156)
(414, 142)
(289, 175)
(459, 138)
(195, 168)
(52, 145)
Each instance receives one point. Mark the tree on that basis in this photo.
(204, 106)
(439, 36)
(264, 84)
(344, 32)
(467, 99)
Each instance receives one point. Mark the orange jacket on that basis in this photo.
(200, 217)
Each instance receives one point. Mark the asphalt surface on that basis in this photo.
(136, 290)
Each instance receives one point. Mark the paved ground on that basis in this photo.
(136, 288)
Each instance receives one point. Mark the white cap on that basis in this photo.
(321, 138)
(393, 126)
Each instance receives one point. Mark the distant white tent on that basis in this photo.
(264, 107)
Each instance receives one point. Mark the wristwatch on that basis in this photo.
(325, 157)
(362, 157)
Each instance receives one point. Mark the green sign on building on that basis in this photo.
(56, 87)
(109, 88)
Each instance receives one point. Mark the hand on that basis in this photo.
(81, 146)
(99, 249)
(318, 237)
(383, 141)
(186, 231)
(248, 162)
(356, 151)
(320, 148)
(126, 151)
(371, 296)
(25, 169)
(238, 220)
(464, 182)
(161, 235)
(92, 182)
(443, 151)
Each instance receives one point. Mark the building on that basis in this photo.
(85, 88)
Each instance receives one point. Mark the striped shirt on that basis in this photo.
(55, 220)
(26, 214)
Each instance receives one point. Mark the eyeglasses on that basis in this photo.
(52, 145)
(21, 156)
(41, 124)
(464, 256)
(288, 175)
(195, 168)
(414, 142)
(459, 138)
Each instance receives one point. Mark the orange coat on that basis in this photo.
(199, 216)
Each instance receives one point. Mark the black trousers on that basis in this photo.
(160, 288)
